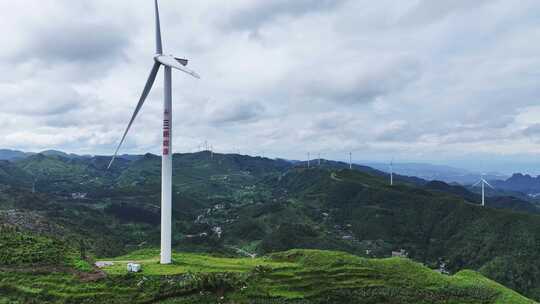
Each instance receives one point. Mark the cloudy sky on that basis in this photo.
(453, 82)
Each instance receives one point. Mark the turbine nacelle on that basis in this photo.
(483, 181)
(175, 63)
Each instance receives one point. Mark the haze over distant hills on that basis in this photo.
(8, 154)
(518, 183)
(437, 172)
(422, 170)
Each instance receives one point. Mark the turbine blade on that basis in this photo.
(159, 46)
(173, 62)
(476, 184)
(146, 90)
(485, 181)
(187, 71)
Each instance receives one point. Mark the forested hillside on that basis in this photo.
(237, 205)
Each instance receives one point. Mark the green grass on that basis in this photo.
(318, 276)
(505, 295)
(20, 248)
(187, 262)
(295, 276)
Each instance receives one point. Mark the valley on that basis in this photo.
(237, 206)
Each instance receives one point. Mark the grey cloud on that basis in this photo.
(69, 39)
(326, 123)
(39, 99)
(227, 113)
(254, 16)
(532, 131)
(428, 11)
(346, 85)
(75, 41)
(398, 131)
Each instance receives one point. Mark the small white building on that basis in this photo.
(133, 267)
(78, 195)
(402, 253)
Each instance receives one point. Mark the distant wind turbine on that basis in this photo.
(483, 182)
(350, 160)
(308, 157)
(168, 61)
(392, 172)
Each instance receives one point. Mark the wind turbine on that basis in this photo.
(350, 160)
(483, 182)
(168, 61)
(392, 172)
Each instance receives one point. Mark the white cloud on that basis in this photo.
(420, 79)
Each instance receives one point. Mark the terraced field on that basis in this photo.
(314, 276)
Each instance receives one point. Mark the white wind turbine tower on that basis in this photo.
(350, 160)
(483, 182)
(168, 61)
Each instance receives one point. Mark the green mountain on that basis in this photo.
(236, 205)
(6, 154)
(12, 175)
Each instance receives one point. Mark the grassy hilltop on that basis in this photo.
(295, 276)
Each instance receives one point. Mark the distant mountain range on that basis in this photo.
(520, 185)
(443, 173)
(7, 154)
(418, 173)
(424, 171)
(523, 183)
